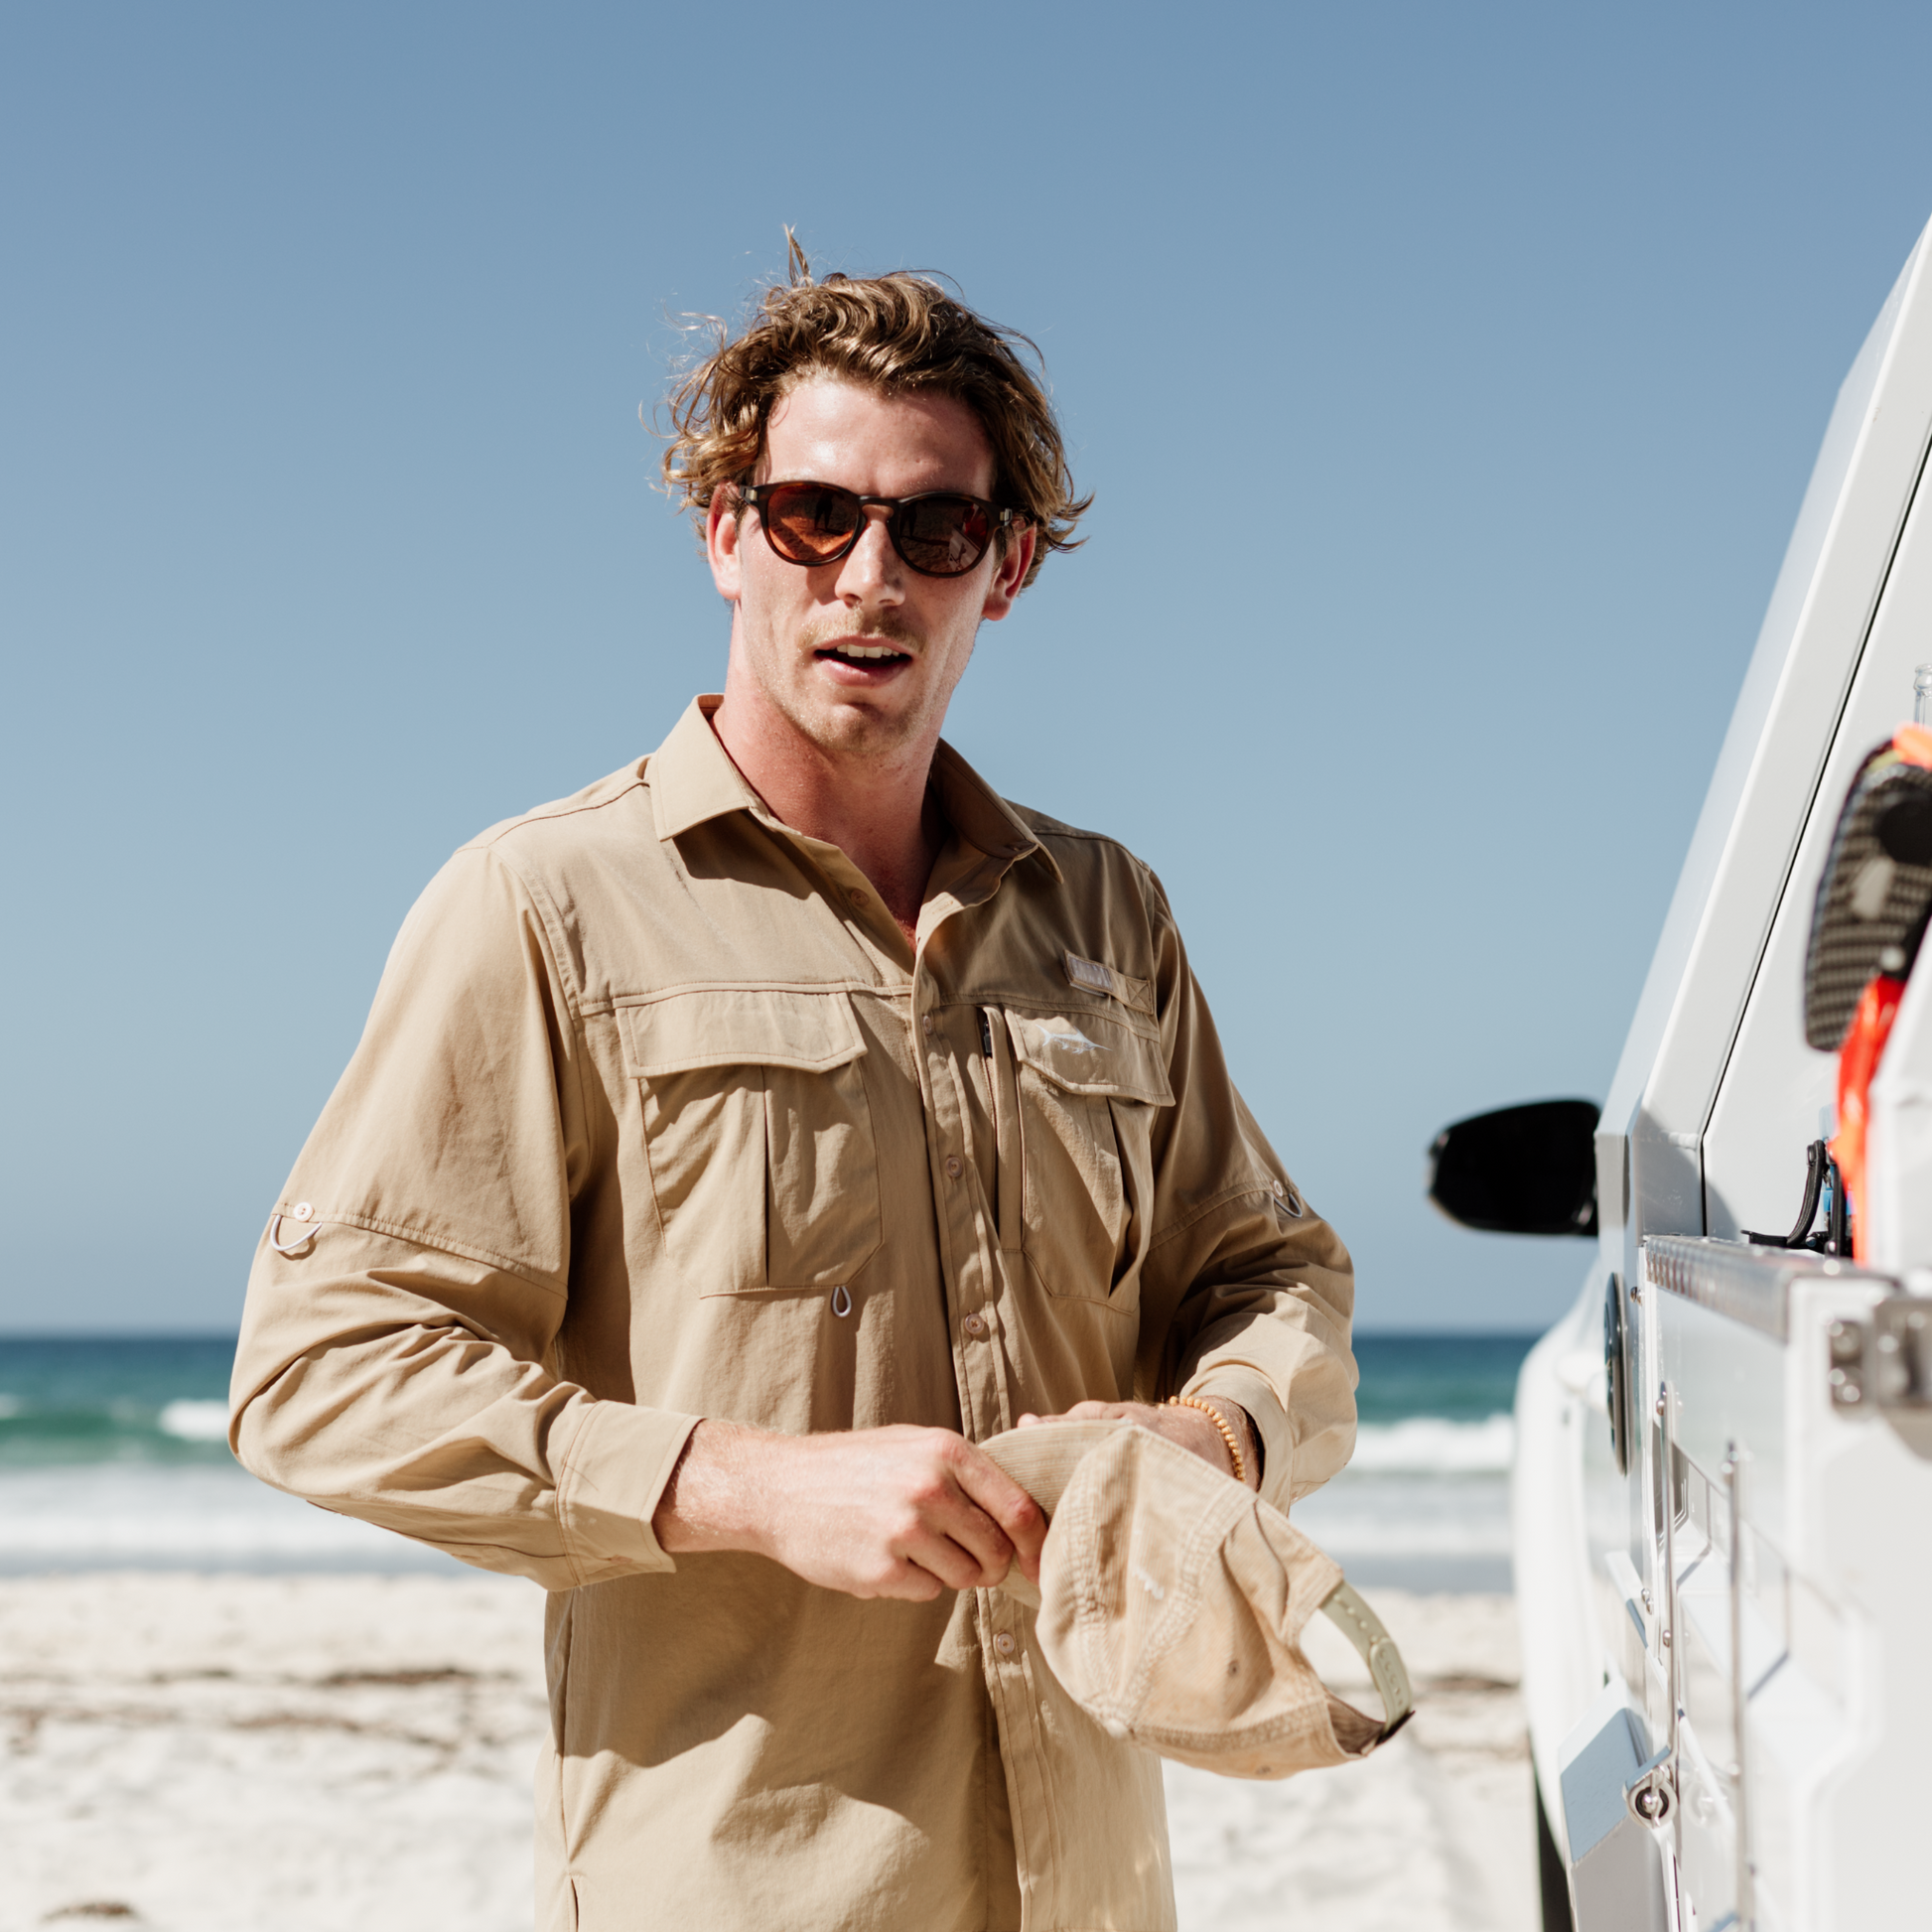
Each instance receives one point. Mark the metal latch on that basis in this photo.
(1652, 1793)
(1885, 1363)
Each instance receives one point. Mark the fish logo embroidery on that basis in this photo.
(1072, 1038)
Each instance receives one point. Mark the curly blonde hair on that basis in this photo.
(899, 334)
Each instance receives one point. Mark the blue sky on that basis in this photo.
(1448, 380)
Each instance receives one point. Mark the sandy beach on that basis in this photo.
(309, 1754)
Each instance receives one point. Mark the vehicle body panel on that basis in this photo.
(1766, 1548)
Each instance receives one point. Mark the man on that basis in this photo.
(736, 1144)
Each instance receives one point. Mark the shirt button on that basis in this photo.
(925, 1025)
(856, 896)
(1003, 1643)
(301, 1212)
(974, 1324)
(952, 1166)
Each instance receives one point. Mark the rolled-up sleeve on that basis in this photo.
(396, 1359)
(1261, 1289)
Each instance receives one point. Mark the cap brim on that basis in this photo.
(1041, 1459)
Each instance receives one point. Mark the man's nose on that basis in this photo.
(872, 567)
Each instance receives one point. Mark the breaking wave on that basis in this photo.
(1428, 1445)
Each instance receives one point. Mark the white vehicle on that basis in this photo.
(1724, 1477)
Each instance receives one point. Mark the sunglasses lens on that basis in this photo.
(943, 536)
(809, 523)
(814, 523)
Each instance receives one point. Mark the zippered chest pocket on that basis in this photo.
(763, 1168)
(1088, 1091)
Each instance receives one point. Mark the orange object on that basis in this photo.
(1865, 1042)
(1913, 742)
(1857, 1061)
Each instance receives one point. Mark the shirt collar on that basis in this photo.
(693, 781)
(692, 777)
(980, 815)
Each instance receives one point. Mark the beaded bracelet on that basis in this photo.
(1219, 1421)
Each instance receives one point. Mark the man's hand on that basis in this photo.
(1187, 1426)
(876, 1512)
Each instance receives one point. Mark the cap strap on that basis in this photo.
(1344, 1608)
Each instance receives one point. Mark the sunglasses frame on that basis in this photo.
(752, 495)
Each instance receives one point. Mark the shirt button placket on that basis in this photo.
(979, 1392)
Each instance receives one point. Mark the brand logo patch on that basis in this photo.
(1089, 973)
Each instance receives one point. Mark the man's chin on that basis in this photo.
(855, 724)
(860, 727)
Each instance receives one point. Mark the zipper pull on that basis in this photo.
(986, 1035)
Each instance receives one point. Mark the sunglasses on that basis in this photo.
(940, 534)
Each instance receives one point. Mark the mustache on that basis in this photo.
(865, 628)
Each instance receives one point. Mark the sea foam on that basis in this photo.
(196, 1421)
(1429, 1446)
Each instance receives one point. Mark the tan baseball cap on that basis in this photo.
(1171, 1601)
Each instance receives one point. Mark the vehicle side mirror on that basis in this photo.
(1529, 1170)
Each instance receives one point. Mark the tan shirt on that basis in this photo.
(657, 1118)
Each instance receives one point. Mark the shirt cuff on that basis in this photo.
(1264, 1408)
(614, 1468)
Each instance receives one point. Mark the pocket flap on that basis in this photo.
(1085, 1053)
(740, 1025)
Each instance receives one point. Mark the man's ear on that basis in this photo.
(722, 531)
(1009, 572)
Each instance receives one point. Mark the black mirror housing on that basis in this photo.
(1527, 1169)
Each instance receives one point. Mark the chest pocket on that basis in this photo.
(1088, 1089)
(763, 1170)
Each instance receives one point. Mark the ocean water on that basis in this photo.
(114, 1453)
(1424, 1503)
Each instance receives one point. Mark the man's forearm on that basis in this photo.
(1247, 1438)
(1190, 1427)
(875, 1512)
(889, 1512)
(707, 1503)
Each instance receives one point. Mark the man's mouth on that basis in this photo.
(849, 651)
